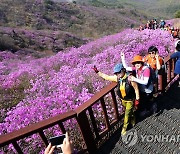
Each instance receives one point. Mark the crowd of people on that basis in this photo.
(154, 24)
(137, 83)
(135, 88)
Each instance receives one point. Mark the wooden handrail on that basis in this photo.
(35, 128)
(84, 115)
(96, 97)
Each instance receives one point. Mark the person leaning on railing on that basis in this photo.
(176, 54)
(127, 91)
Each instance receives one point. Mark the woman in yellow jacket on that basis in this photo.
(127, 91)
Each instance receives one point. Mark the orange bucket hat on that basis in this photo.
(137, 58)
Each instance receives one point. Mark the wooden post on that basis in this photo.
(86, 132)
(16, 146)
(62, 127)
(43, 137)
(105, 113)
(115, 104)
(93, 122)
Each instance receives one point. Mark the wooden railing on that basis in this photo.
(85, 117)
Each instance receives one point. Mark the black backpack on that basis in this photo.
(152, 78)
(130, 92)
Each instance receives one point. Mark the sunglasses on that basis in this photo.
(153, 52)
(119, 72)
(138, 62)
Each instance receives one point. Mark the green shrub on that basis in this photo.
(7, 43)
(120, 6)
(177, 14)
(49, 2)
(48, 19)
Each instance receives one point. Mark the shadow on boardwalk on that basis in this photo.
(158, 133)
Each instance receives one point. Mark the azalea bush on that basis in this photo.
(56, 84)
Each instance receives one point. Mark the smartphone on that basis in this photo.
(57, 140)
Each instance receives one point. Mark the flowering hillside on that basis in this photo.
(42, 88)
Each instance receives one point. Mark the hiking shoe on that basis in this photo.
(154, 108)
(143, 113)
(155, 95)
(133, 123)
(123, 132)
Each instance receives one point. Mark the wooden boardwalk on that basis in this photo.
(158, 133)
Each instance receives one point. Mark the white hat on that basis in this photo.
(176, 43)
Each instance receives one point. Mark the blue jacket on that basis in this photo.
(177, 65)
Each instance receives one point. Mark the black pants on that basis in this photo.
(145, 101)
(145, 104)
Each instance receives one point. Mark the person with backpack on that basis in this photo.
(162, 24)
(141, 75)
(176, 54)
(127, 91)
(155, 62)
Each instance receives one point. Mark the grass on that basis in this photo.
(159, 9)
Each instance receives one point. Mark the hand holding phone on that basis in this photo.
(57, 140)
